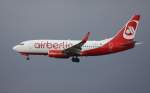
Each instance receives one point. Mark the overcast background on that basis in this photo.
(126, 72)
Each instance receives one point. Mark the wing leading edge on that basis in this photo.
(75, 49)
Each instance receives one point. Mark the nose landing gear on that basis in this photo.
(26, 56)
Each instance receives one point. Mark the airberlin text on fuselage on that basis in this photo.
(50, 45)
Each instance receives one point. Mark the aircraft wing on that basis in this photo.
(75, 49)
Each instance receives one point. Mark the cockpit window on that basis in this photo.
(21, 44)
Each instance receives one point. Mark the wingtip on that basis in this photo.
(86, 37)
(88, 33)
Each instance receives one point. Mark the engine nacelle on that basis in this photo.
(57, 54)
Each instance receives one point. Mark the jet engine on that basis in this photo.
(57, 54)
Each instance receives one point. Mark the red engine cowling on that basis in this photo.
(56, 54)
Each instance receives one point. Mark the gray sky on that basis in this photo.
(126, 72)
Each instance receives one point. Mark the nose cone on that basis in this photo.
(15, 48)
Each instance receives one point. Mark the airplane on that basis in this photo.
(121, 41)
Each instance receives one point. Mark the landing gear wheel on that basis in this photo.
(27, 58)
(75, 59)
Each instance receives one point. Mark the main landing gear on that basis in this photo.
(75, 59)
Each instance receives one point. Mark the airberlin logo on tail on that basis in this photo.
(130, 28)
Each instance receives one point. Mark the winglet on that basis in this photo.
(86, 37)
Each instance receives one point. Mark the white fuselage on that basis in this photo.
(43, 46)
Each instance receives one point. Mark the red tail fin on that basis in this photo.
(127, 33)
(123, 40)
